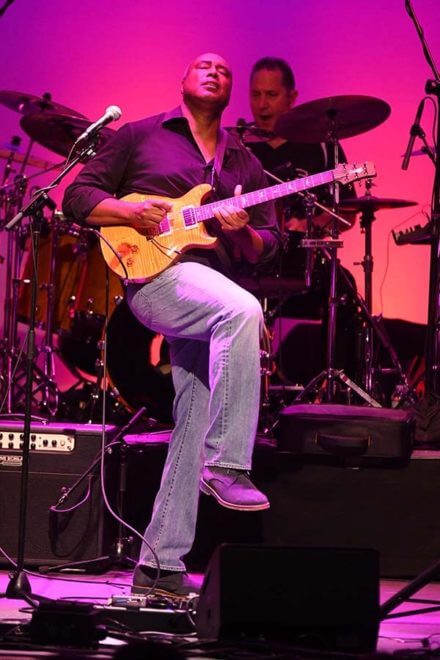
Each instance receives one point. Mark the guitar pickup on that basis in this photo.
(188, 215)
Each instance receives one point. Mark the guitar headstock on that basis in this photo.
(348, 172)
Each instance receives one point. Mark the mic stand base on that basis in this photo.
(404, 595)
(19, 588)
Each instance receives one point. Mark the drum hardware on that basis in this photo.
(29, 104)
(417, 235)
(248, 133)
(15, 156)
(376, 328)
(268, 421)
(369, 202)
(44, 389)
(19, 585)
(320, 121)
(367, 205)
(9, 342)
(332, 119)
(12, 195)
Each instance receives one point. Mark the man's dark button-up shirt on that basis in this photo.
(159, 156)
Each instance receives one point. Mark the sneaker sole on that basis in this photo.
(208, 490)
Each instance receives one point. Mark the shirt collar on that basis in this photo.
(176, 115)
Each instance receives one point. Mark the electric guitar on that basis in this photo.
(139, 256)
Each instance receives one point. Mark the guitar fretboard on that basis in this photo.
(265, 194)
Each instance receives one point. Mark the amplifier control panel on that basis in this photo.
(53, 442)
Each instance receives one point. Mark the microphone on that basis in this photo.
(111, 114)
(414, 131)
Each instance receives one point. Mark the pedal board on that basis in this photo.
(151, 613)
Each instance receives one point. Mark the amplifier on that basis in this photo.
(59, 454)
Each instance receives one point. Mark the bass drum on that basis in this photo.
(138, 365)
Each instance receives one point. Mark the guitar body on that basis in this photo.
(144, 256)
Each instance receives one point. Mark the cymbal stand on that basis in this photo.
(372, 324)
(14, 253)
(44, 390)
(48, 386)
(330, 376)
(367, 263)
(19, 584)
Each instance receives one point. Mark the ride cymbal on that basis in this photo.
(28, 103)
(334, 116)
(58, 132)
(370, 202)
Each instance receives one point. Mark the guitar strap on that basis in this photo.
(219, 155)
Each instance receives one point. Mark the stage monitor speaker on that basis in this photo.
(59, 454)
(326, 598)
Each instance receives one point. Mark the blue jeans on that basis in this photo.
(213, 327)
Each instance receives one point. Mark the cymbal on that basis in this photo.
(18, 157)
(249, 133)
(342, 116)
(58, 132)
(28, 103)
(373, 203)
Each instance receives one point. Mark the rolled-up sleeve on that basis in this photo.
(101, 177)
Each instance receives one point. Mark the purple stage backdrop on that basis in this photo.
(91, 54)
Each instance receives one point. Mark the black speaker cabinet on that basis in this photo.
(325, 598)
(59, 455)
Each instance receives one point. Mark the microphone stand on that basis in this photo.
(19, 586)
(432, 394)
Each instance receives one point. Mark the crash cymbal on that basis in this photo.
(342, 116)
(58, 132)
(249, 133)
(18, 157)
(28, 103)
(374, 203)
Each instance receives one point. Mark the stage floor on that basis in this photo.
(396, 635)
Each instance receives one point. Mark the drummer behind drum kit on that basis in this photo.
(72, 299)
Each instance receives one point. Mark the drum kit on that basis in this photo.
(328, 120)
(71, 276)
(76, 293)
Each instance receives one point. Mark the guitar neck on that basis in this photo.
(265, 194)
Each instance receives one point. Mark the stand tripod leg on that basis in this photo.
(19, 586)
(432, 573)
(118, 554)
(374, 327)
(330, 376)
